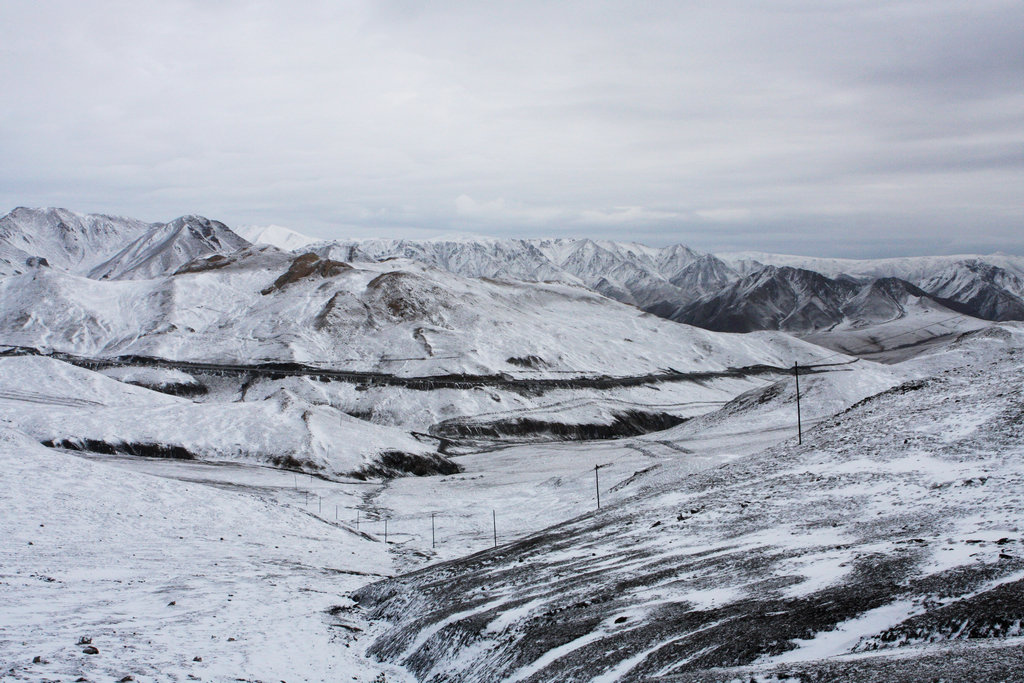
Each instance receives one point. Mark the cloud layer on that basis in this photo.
(832, 127)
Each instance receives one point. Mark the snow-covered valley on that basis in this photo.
(390, 461)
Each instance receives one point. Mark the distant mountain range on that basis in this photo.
(738, 292)
(731, 293)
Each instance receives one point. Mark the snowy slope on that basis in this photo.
(397, 317)
(989, 291)
(165, 248)
(278, 236)
(894, 528)
(66, 240)
(61, 404)
(169, 580)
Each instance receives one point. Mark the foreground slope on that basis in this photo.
(892, 530)
(168, 580)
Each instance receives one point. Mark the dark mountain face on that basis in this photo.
(796, 300)
(771, 299)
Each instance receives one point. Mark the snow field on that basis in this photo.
(159, 573)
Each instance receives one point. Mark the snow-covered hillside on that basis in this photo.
(886, 547)
(165, 248)
(111, 575)
(58, 238)
(397, 317)
(71, 407)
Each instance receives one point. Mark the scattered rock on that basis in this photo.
(126, 679)
(84, 640)
(38, 660)
(172, 603)
(197, 658)
(90, 650)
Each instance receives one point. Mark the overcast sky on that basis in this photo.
(843, 128)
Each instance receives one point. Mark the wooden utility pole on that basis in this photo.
(799, 426)
(494, 523)
(433, 539)
(597, 485)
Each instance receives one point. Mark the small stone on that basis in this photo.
(84, 640)
(172, 603)
(231, 640)
(126, 679)
(38, 660)
(91, 650)
(197, 659)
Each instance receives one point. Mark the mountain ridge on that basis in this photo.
(675, 282)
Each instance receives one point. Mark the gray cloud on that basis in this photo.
(837, 127)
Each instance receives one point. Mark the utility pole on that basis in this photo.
(597, 485)
(494, 522)
(433, 540)
(799, 426)
(385, 531)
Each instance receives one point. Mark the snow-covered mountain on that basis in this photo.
(986, 290)
(62, 239)
(800, 300)
(396, 316)
(628, 272)
(674, 282)
(274, 235)
(705, 290)
(165, 248)
(916, 269)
